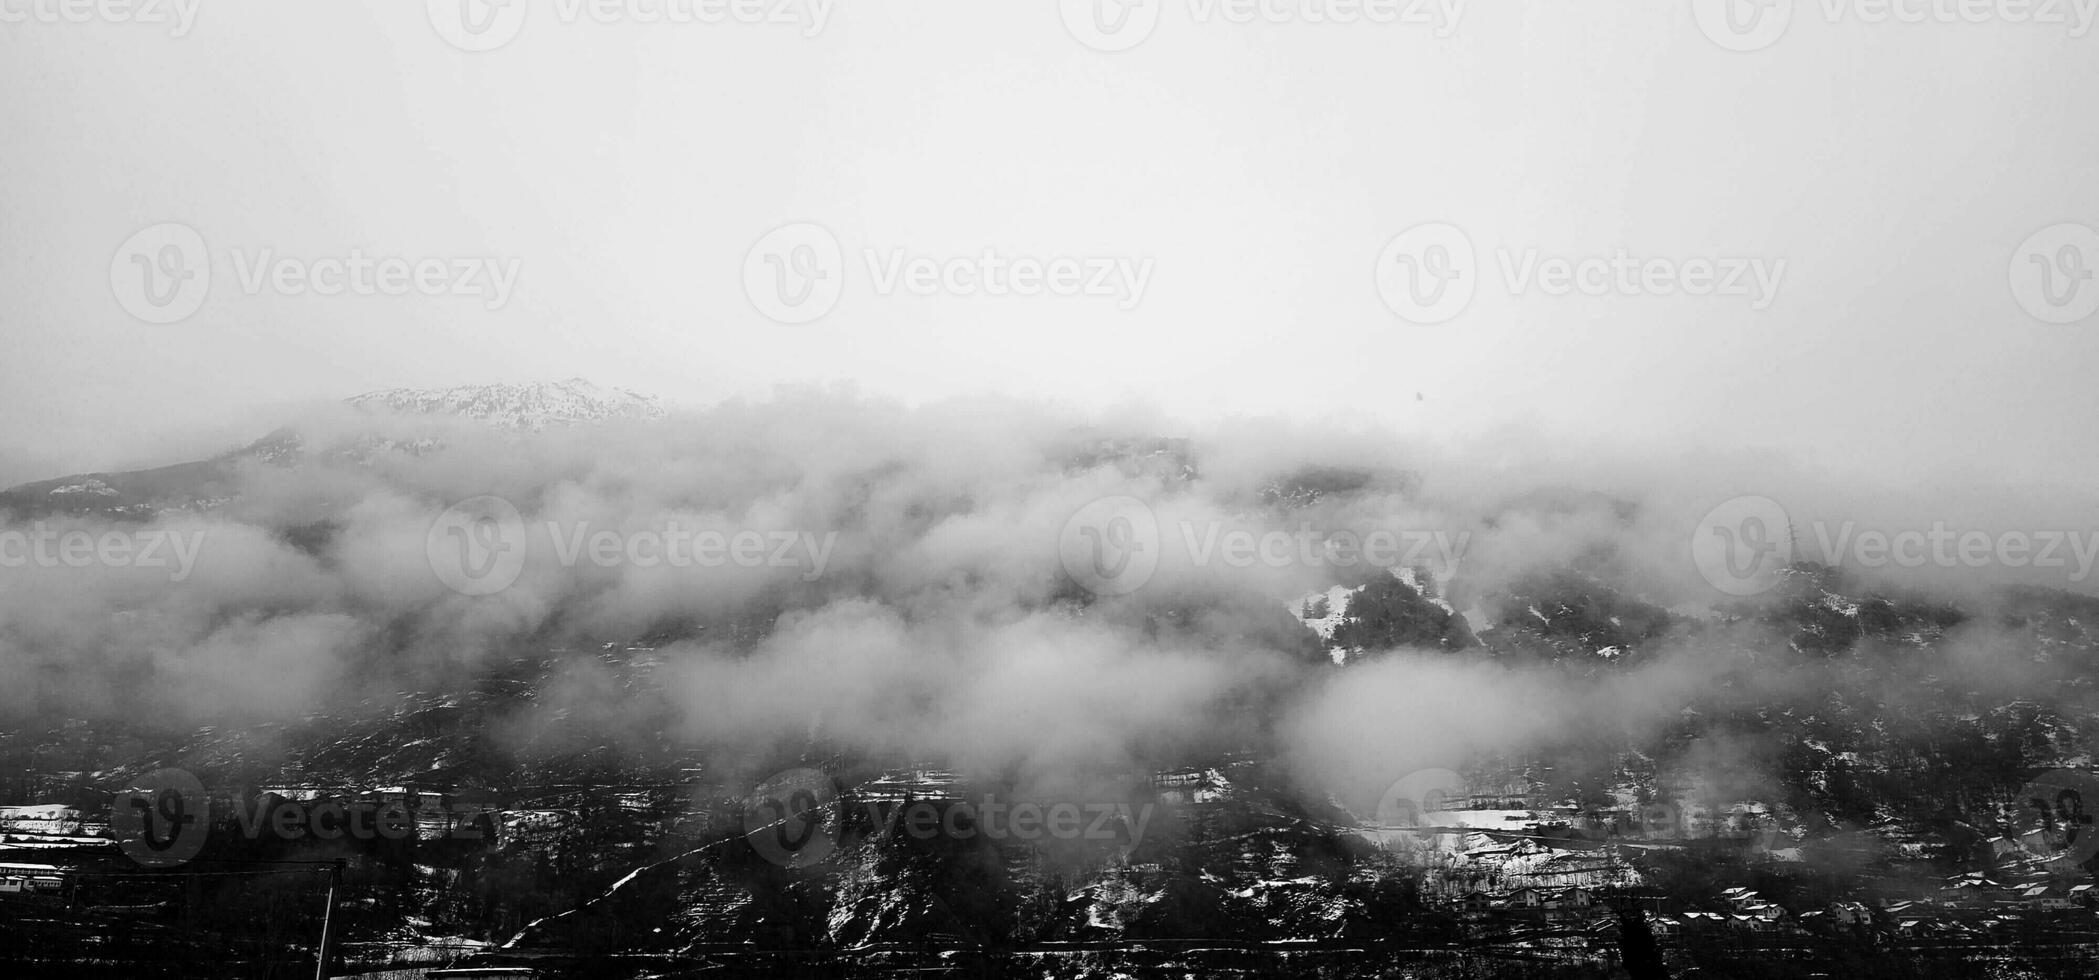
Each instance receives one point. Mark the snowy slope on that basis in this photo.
(530, 407)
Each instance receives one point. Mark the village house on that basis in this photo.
(2047, 896)
(485, 973)
(1747, 903)
(31, 879)
(1697, 921)
(1850, 913)
(1751, 923)
(49, 820)
(1972, 888)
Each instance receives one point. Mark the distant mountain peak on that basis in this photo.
(209, 483)
(528, 407)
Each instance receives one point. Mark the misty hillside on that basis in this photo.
(1372, 754)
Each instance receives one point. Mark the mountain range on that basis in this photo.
(529, 407)
(1610, 765)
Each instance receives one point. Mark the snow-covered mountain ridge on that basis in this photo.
(518, 408)
(528, 407)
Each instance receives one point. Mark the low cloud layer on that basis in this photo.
(945, 623)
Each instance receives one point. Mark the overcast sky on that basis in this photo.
(1252, 174)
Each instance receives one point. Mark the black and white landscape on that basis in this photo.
(1096, 488)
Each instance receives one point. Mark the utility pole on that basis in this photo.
(320, 958)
